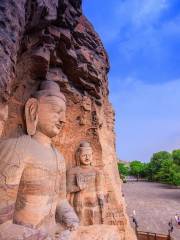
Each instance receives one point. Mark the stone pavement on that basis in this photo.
(155, 204)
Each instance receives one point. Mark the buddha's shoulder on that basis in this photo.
(22, 139)
(12, 150)
(16, 143)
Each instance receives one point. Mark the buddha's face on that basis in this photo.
(51, 115)
(85, 156)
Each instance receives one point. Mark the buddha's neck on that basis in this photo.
(85, 166)
(43, 139)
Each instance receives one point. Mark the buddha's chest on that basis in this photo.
(43, 174)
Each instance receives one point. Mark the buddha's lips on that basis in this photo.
(59, 126)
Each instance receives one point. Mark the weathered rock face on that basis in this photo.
(51, 39)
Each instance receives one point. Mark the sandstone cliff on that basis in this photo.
(52, 39)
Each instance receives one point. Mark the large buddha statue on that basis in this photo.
(33, 202)
(85, 185)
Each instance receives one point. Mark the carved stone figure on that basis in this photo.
(33, 174)
(3, 116)
(85, 110)
(85, 183)
(86, 103)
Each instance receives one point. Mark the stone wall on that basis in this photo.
(51, 39)
(152, 236)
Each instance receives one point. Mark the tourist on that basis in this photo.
(177, 218)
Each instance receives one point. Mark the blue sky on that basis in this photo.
(142, 38)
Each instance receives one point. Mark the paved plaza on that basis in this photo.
(155, 204)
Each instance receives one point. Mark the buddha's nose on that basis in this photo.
(63, 117)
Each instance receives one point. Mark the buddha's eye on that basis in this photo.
(57, 110)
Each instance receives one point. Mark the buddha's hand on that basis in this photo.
(12, 231)
(73, 227)
(65, 235)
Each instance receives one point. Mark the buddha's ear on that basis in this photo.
(31, 115)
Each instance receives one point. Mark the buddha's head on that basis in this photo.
(84, 154)
(45, 111)
(3, 116)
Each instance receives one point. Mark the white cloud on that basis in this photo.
(138, 13)
(148, 11)
(147, 118)
(134, 24)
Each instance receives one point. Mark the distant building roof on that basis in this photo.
(123, 161)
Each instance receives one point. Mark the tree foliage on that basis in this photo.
(163, 167)
(176, 156)
(169, 173)
(136, 169)
(123, 169)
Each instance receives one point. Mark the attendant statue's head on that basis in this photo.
(84, 154)
(3, 116)
(45, 111)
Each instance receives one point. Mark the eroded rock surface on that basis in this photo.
(53, 40)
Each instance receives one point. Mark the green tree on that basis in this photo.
(163, 167)
(136, 168)
(148, 171)
(176, 178)
(123, 170)
(176, 156)
(156, 163)
(145, 170)
(166, 172)
(169, 173)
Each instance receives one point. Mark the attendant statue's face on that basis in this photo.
(3, 116)
(51, 115)
(85, 156)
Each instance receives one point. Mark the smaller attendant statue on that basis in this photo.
(3, 116)
(85, 185)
